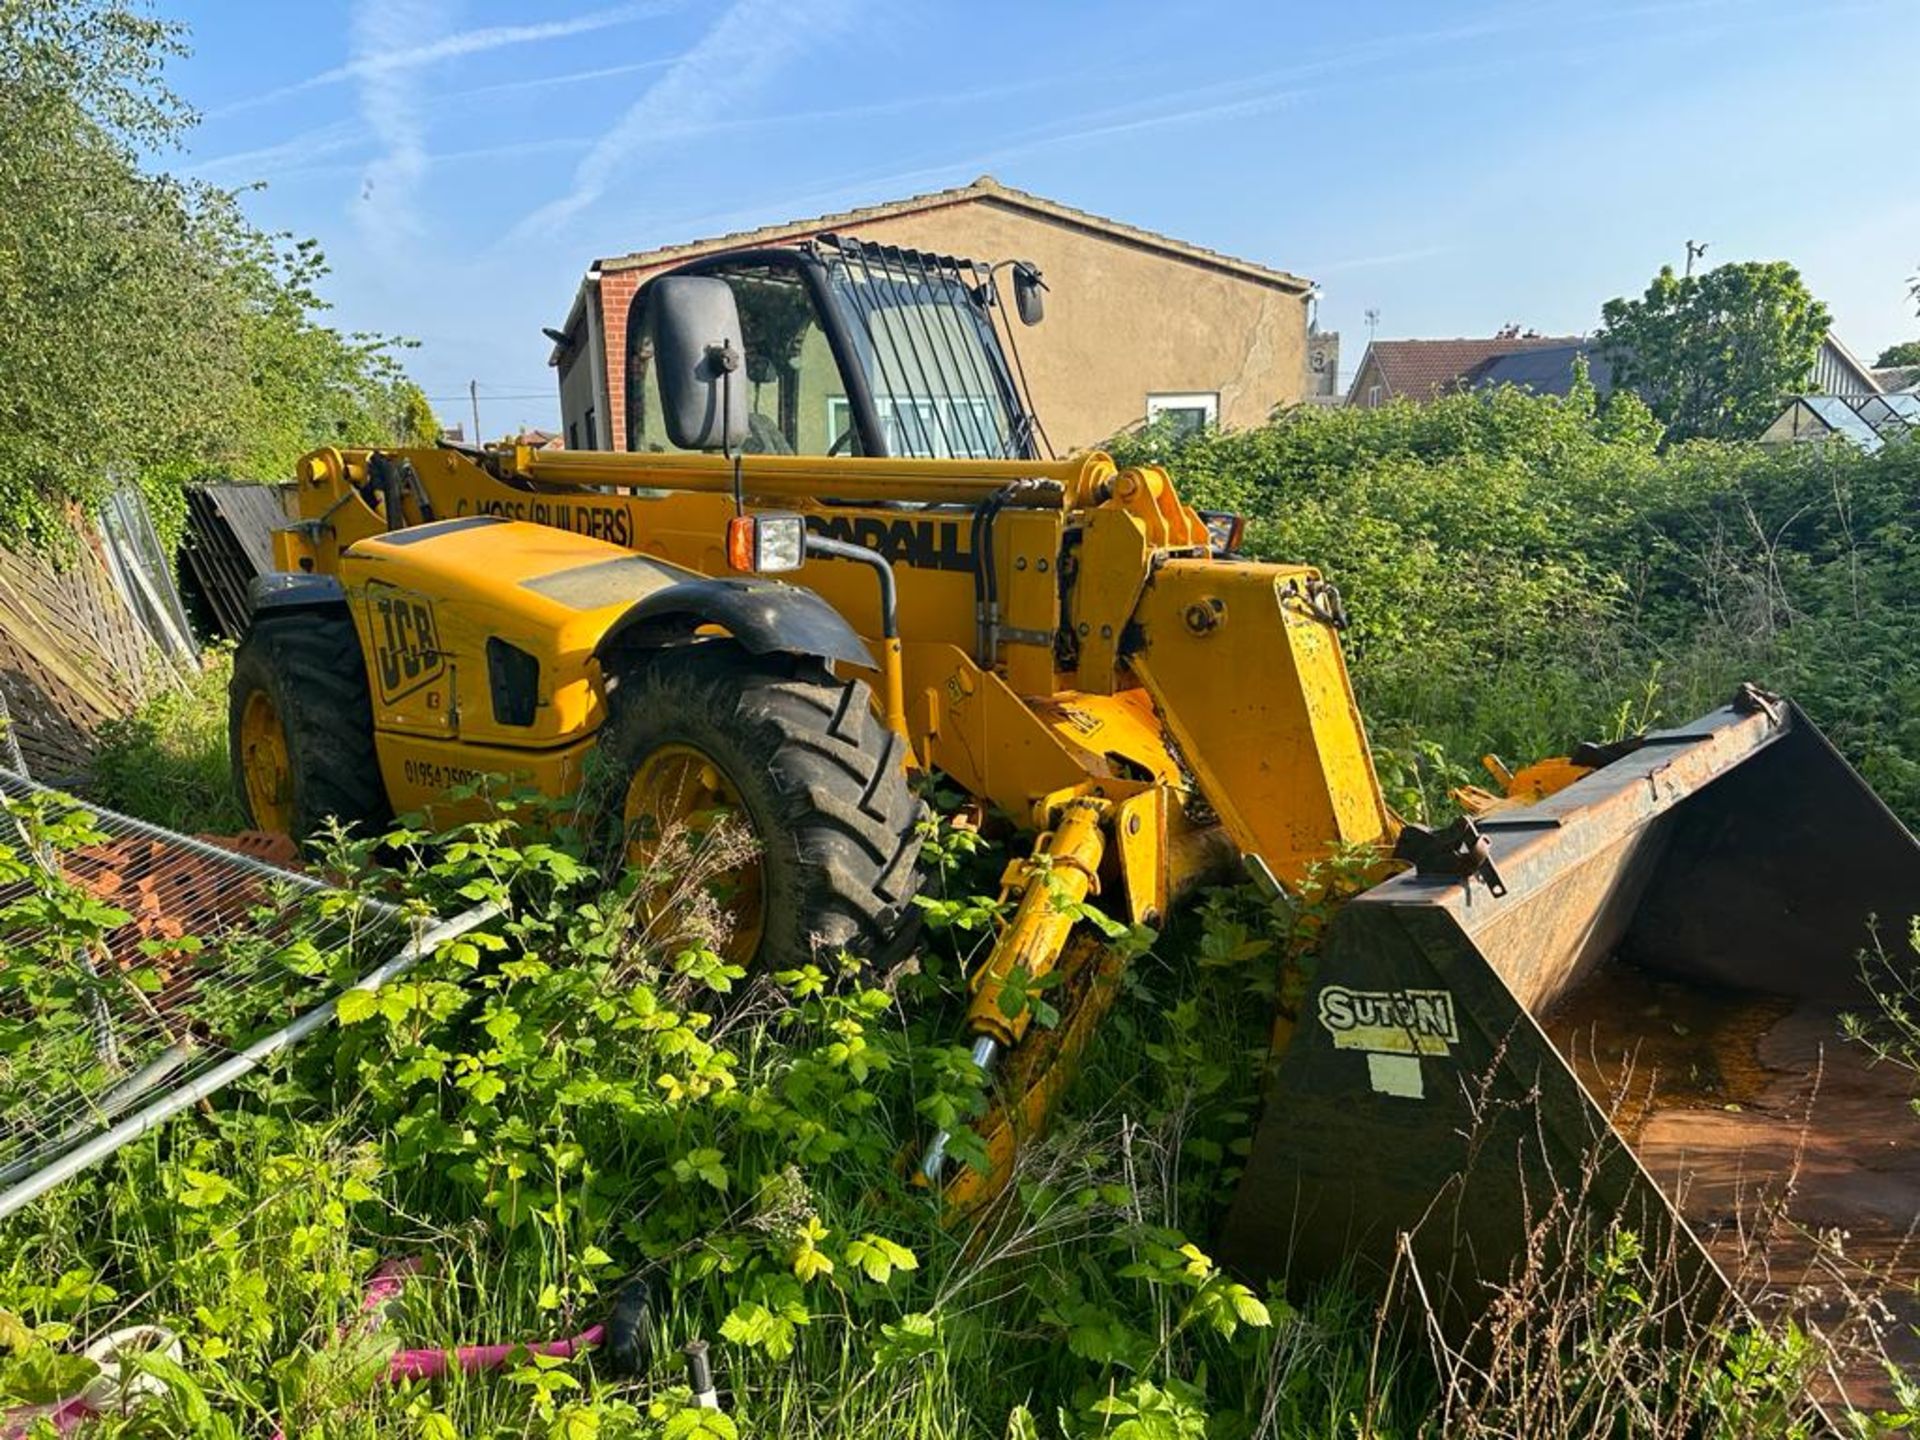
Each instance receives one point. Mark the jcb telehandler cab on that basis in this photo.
(1075, 646)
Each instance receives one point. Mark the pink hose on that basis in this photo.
(66, 1416)
(384, 1286)
(471, 1359)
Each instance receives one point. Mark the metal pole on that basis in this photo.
(229, 1070)
(473, 394)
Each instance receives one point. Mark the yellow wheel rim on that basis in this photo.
(681, 791)
(266, 764)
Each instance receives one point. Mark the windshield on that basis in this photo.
(931, 357)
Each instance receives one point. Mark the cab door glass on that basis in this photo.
(796, 397)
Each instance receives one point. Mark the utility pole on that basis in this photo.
(473, 394)
(1694, 252)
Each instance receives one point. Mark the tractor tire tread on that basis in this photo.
(309, 662)
(823, 780)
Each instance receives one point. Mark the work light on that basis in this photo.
(766, 543)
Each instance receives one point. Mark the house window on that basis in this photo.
(1374, 395)
(1187, 412)
(936, 427)
(573, 436)
(593, 442)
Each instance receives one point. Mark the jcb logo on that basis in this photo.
(406, 643)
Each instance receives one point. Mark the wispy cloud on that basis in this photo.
(310, 151)
(571, 77)
(432, 160)
(751, 42)
(294, 153)
(1378, 262)
(447, 44)
(393, 112)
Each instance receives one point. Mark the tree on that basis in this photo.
(1907, 352)
(147, 330)
(1714, 354)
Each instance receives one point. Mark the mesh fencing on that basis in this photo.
(134, 961)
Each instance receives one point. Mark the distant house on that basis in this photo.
(1838, 371)
(1422, 369)
(1895, 379)
(540, 440)
(1544, 364)
(1544, 369)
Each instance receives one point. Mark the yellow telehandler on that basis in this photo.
(832, 555)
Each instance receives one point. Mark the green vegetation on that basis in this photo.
(1715, 353)
(1526, 573)
(167, 761)
(99, 255)
(1907, 352)
(575, 1096)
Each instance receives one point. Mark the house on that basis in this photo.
(1544, 364)
(1838, 371)
(1138, 325)
(1544, 369)
(1422, 369)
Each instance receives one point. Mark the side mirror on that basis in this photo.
(1029, 292)
(700, 356)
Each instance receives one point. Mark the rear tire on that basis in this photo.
(304, 671)
(822, 781)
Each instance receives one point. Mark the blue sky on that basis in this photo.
(1453, 166)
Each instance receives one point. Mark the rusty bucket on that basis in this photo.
(1639, 998)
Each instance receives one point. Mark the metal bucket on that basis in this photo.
(1647, 1013)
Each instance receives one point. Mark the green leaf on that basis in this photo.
(879, 1258)
(910, 1338)
(356, 1005)
(204, 1189)
(706, 1165)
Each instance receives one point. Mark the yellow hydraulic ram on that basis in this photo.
(1053, 882)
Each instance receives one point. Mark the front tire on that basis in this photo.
(300, 726)
(818, 781)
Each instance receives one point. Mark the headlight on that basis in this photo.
(765, 544)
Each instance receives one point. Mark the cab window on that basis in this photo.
(797, 400)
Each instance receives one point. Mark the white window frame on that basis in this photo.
(1205, 401)
(937, 420)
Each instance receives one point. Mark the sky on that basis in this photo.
(1446, 168)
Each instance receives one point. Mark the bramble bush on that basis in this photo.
(1527, 572)
(579, 1092)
